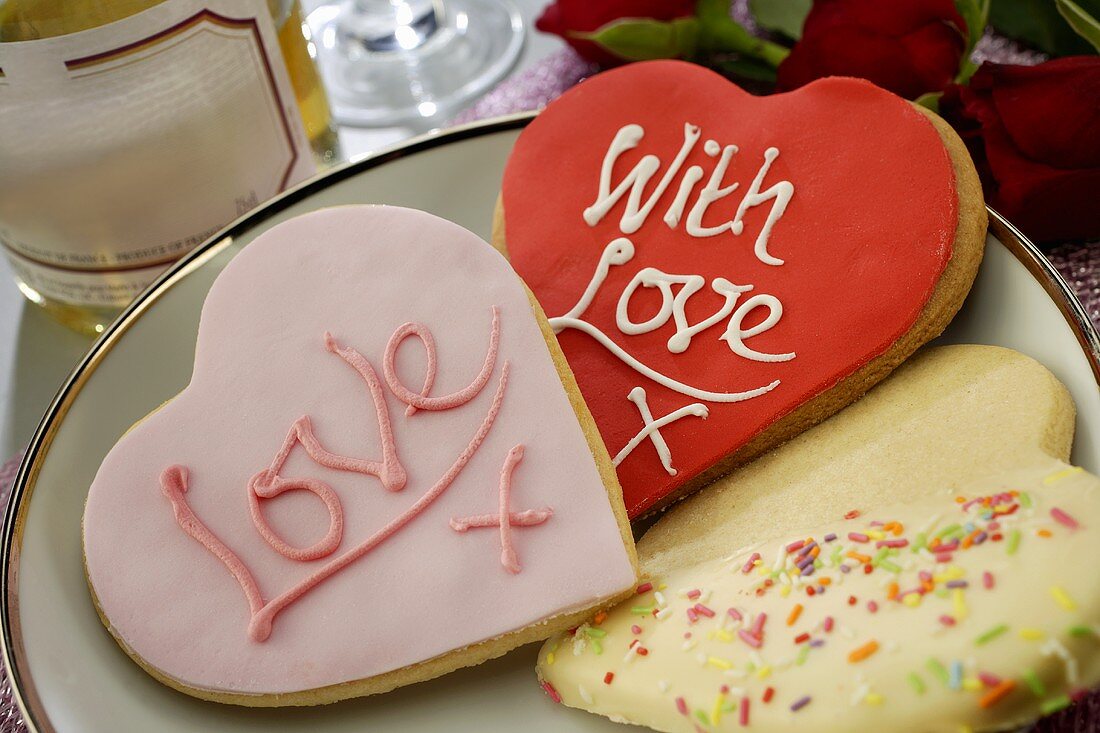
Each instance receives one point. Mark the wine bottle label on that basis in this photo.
(124, 146)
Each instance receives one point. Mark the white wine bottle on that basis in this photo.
(131, 130)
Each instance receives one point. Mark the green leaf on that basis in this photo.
(707, 10)
(931, 101)
(725, 35)
(1039, 23)
(745, 68)
(976, 15)
(1081, 21)
(783, 16)
(643, 39)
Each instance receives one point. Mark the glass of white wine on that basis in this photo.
(389, 62)
(131, 130)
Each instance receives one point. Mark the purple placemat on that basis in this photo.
(11, 721)
(1079, 264)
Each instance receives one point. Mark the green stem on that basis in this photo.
(966, 71)
(771, 53)
(727, 36)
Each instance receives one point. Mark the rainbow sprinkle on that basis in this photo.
(1054, 704)
(954, 679)
(716, 709)
(549, 689)
(1034, 683)
(863, 652)
(1064, 473)
(1062, 598)
(1064, 519)
(996, 694)
(991, 634)
(909, 568)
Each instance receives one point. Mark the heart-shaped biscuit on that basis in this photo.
(798, 594)
(377, 474)
(754, 262)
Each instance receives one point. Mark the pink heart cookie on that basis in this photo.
(380, 472)
(725, 270)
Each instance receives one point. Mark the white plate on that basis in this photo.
(71, 676)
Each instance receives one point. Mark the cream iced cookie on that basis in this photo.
(381, 471)
(724, 270)
(905, 566)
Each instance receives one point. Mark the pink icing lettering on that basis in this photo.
(422, 401)
(267, 484)
(390, 471)
(505, 518)
(388, 370)
(174, 484)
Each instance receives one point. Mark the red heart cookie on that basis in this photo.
(724, 270)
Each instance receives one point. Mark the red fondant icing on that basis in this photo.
(863, 240)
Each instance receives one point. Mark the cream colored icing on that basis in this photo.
(933, 656)
(399, 586)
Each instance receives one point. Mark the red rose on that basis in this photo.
(563, 17)
(1034, 133)
(907, 46)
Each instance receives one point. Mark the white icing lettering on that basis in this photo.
(619, 252)
(781, 193)
(562, 323)
(652, 428)
(649, 277)
(635, 213)
(692, 175)
(672, 306)
(676, 290)
(735, 335)
(711, 193)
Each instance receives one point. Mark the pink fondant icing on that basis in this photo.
(424, 589)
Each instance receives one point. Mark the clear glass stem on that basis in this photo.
(412, 62)
(378, 26)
